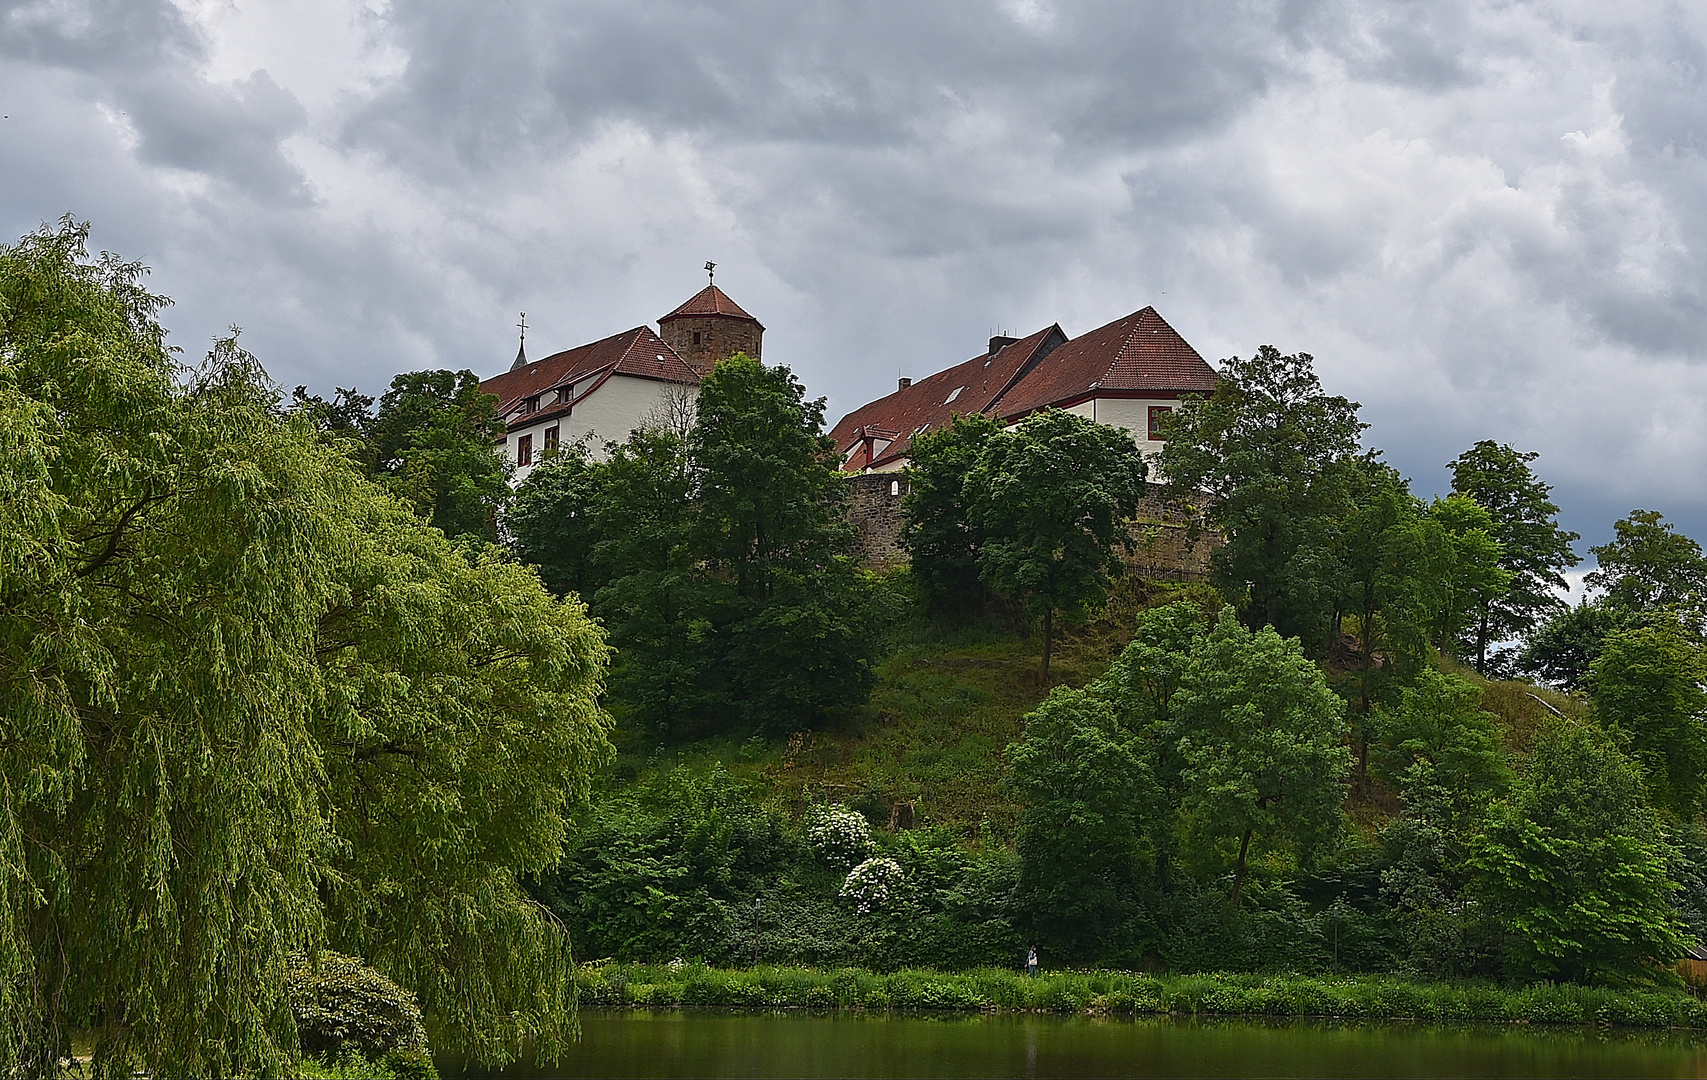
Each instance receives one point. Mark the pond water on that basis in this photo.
(737, 1044)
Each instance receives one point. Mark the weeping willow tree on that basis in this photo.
(251, 706)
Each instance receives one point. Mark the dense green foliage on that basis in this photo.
(1037, 514)
(1277, 458)
(610, 986)
(1572, 866)
(718, 562)
(941, 534)
(432, 442)
(341, 1005)
(1053, 498)
(1534, 550)
(254, 706)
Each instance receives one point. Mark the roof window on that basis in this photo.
(953, 395)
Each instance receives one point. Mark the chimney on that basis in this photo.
(999, 342)
(904, 384)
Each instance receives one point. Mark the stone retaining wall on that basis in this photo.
(1164, 551)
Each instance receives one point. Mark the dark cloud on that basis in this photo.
(1484, 219)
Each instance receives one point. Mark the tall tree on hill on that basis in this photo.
(942, 538)
(719, 561)
(1263, 747)
(1053, 498)
(1533, 548)
(1388, 554)
(772, 518)
(1649, 565)
(1468, 575)
(1276, 456)
(254, 707)
(771, 499)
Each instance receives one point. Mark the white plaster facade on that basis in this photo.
(608, 410)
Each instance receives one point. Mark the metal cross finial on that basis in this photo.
(710, 272)
(524, 326)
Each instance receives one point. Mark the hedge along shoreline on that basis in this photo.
(1122, 993)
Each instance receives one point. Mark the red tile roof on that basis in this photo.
(709, 301)
(638, 352)
(966, 388)
(1138, 354)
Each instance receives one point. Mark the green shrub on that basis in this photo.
(341, 1006)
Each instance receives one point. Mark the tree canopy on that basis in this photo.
(1276, 456)
(255, 707)
(1053, 498)
(719, 562)
(1534, 550)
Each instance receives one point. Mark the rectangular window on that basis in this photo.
(524, 449)
(531, 406)
(696, 337)
(551, 438)
(1156, 414)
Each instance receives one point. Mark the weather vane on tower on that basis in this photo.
(710, 273)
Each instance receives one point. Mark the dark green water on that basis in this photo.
(734, 1044)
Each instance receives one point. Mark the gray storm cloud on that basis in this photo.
(1484, 219)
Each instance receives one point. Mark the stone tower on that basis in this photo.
(711, 327)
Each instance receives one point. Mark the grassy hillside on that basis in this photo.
(947, 703)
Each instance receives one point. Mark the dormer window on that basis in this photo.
(532, 405)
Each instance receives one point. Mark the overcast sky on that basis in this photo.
(1484, 220)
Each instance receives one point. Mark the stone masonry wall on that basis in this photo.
(874, 505)
(1164, 551)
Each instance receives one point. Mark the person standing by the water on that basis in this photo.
(1031, 961)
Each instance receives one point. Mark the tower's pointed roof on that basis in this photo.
(709, 301)
(521, 357)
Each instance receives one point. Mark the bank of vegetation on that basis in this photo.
(1123, 993)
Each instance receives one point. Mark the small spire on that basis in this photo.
(522, 350)
(710, 273)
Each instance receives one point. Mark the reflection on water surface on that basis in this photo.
(735, 1044)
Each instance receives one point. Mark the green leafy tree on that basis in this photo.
(554, 520)
(1088, 792)
(1387, 555)
(1053, 498)
(1439, 730)
(1275, 455)
(1142, 685)
(1534, 550)
(1263, 746)
(1467, 575)
(1562, 650)
(1572, 866)
(943, 539)
(1648, 565)
(255, 707)
(771, 499)
(435, 444)
(772, 519)
(1647, 684)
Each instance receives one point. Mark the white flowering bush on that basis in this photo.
(871, 884)
(838, 835)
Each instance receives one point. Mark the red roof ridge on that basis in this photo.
(638, 352)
